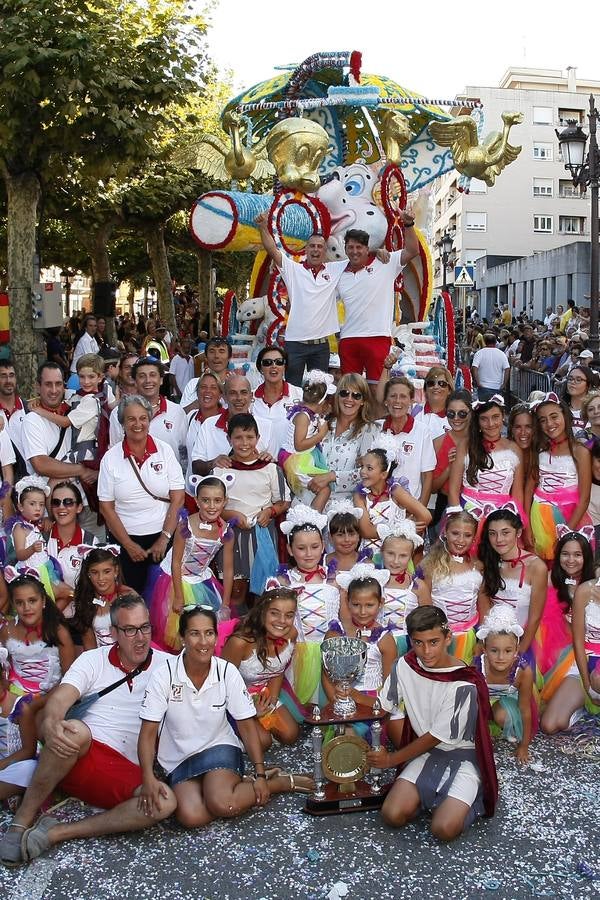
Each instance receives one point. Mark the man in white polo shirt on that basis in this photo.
(94, 758)
(169, 421)
(312, 315)
(367, 291)
(490, 368)
(211, 447)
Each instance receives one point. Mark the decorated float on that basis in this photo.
(323, 148)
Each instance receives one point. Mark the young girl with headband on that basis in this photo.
(262, 647)
(301, 456)
(364, 586)
(40, 649)
(509, 678)
(560, 478)
(452, 580)
(184, 577)
(581, 686)
(573, 564)
(489, 470)
(318, 601)
(26, 545)
(344, 534)
(512, 576)
(18, 735)
(384, 500)
(399, 542)
(98, 585)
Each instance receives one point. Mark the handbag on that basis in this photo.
(148, 491)
(79, 709)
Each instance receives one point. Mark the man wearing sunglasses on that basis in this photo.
(312, 288)
(94, 758)
(367, 291)
(490, 368)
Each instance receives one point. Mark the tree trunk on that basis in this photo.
(205, 293)
(23, 192)
(131, 297)
(96, 245)
(157, 251)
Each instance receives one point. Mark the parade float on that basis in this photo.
(323, 148)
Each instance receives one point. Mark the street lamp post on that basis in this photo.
(584, 172)
(67, 274)
(444, 245)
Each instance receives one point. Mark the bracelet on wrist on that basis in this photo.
(260, 775)
(167, 534)
(409, 224)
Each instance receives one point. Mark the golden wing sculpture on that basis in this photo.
(486, 160)
(220, 161)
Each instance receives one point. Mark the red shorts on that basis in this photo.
(364, 354)
(102, 777)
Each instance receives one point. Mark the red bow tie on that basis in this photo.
(399, 577)
(310, 574)
(488, 446)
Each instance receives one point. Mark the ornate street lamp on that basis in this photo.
(584, 171)
(445, 245)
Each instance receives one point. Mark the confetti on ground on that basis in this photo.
(543, 833)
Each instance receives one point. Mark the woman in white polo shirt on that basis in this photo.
(186, 710)
(141, 490)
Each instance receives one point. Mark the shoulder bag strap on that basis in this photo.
(139, 478)
(61, 437)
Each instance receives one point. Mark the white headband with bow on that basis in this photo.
(362, 572)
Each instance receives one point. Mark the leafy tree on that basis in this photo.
(88, 81)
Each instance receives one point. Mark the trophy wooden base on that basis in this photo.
(336, 802)
(327, 716)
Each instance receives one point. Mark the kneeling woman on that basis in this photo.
(191, 696)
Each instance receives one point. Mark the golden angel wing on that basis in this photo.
(210, 154)
(460, 130)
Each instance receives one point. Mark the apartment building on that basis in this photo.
(533, 207)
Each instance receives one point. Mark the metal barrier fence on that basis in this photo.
(524, 381)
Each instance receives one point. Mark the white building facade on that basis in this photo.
(533, 207)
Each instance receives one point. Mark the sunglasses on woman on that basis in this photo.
(436, 382)
(63, 501)
(461, 413)
(345, 393)
(273, 362)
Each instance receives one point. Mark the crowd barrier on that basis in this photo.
(523, 381)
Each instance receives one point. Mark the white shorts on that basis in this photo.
(465, 784)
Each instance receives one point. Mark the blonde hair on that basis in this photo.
(593, 395)
(90, 361)
(354, 382)
(436, 371)
(437, 562)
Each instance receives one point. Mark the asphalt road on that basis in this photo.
(545, 827)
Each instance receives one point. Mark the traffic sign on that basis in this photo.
(463, 276)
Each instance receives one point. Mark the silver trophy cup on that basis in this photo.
(344, 660)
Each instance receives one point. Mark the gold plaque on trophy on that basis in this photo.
(344, 760)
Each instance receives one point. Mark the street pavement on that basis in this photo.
(546, 828)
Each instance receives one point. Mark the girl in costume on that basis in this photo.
(318, 601)
(255, 499)
(64, 540)
(262, 647)
(26, 545)
(452, 580)
(98, 585)
(18, 735)
(399, 543)
(384, 500)
(301, 455)
(573, 564)
(581, 686)
(509, 679)
(520, 430)
(184, 577)
(512, 576)
(344, 535)
(364, 586)
(40, 649)
(560, 477)
(490, 470)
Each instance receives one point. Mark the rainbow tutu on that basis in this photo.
(160, 596)
(463, 645)
(299, 468)
(548, 511)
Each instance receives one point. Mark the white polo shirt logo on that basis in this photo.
(177, 693)
(157, 466)
(168, 425)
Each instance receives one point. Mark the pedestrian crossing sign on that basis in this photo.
(463, 276)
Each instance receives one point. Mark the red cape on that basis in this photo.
(483, 740)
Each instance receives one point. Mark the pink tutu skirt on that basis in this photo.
(160, 597)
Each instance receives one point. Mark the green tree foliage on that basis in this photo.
(93, 82)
